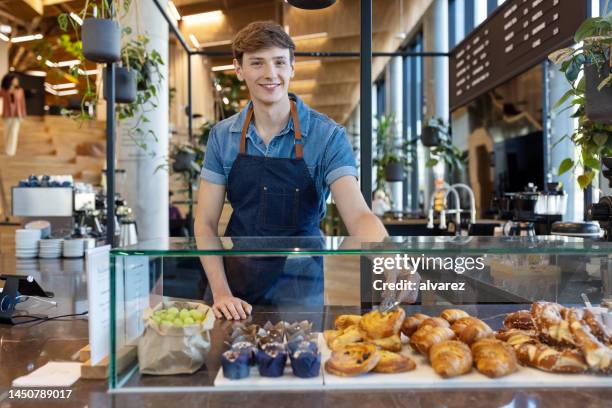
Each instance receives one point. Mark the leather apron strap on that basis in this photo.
(296, 130)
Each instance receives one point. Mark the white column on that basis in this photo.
(146, 190)
(563, 124)
(393, 105)
(435, 32)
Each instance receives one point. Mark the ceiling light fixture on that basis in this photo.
(207, 17)
(194, 41)
(88, 72)
(311, 4)
(4, 37)
(309, 36)
(51, 90)
(5, 29)
(25, 38)
(174, 11)
(67, 85)
(76, 18)
(50, 63)
(222, 68)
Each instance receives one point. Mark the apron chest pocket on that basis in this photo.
(280, 207)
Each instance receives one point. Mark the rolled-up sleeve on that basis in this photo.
(338, 159)
(212, 170)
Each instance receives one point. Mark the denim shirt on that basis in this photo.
(327, 151)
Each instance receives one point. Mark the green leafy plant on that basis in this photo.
(387, 149)
(593, 140)
(445, 151)
(147, 66)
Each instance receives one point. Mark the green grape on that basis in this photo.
(184, 313)
(196, 314)
(173, 311)
(156, 319)
(177, 322)
(188, 321)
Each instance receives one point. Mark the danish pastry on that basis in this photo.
(424, 338)
(519, 320)
(344, 321)
(452, 315)
(598, 355)
(412, 322)
(391, 343)
(450, 358)
(550, 322)
(597, 328)
(494, 358)
(353, 359)
(379, 325)
(546, 358)
(393, 363)
(351, 334)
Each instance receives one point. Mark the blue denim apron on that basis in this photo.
(273, 197)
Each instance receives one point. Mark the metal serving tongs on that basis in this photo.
(388, 304)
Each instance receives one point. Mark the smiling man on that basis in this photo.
(277, 160)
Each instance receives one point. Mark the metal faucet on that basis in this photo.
(430, 219)
(472, 200)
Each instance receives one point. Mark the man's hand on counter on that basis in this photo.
(232, 308)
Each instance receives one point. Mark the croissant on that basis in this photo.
(424, 338)
(391, 343)
(546, 358)
(494, 358)
(379, 325)
(393, 363)
(344, 321)
(460, 324)
(519, 320)
(450, 358)
(452, 315)
(412, 322)
(434, 322)
(598, 355)
(353, 359)
(476, 331)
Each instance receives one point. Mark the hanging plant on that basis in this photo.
(587, 69)
(439, 135)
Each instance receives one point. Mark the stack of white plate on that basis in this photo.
(26, 243)
(73, 248)
(42, 225)
(50, 248)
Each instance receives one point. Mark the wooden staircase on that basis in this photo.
(48, 145)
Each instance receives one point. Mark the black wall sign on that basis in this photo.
(517, 36)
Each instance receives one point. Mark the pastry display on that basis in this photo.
(391, 363)
(235, 365)
(377, 325)
(353, 359)
(450, 358)
(337, 338)
(412, 322)
(552, 327)
(494, 358)
(426, 337)
(452, 315)
(391, 343)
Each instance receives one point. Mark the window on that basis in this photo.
(470, 14)
(413, 116)
(491, 6)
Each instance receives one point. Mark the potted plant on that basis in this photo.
(390, 161)
(100, 31)
(125, 85)
(443, 149)
(590, 95)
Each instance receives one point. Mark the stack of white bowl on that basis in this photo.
(50, 248)
(73, 248)
(42, 225)
(26, 243)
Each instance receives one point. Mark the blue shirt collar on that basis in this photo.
(303, 116)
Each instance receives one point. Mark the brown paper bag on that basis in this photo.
(167, 350)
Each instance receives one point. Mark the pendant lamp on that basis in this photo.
(311, 4)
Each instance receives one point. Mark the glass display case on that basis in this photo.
(317, 279)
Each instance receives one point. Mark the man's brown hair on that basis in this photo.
(260, 35)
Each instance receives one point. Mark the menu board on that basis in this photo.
(517, 36)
